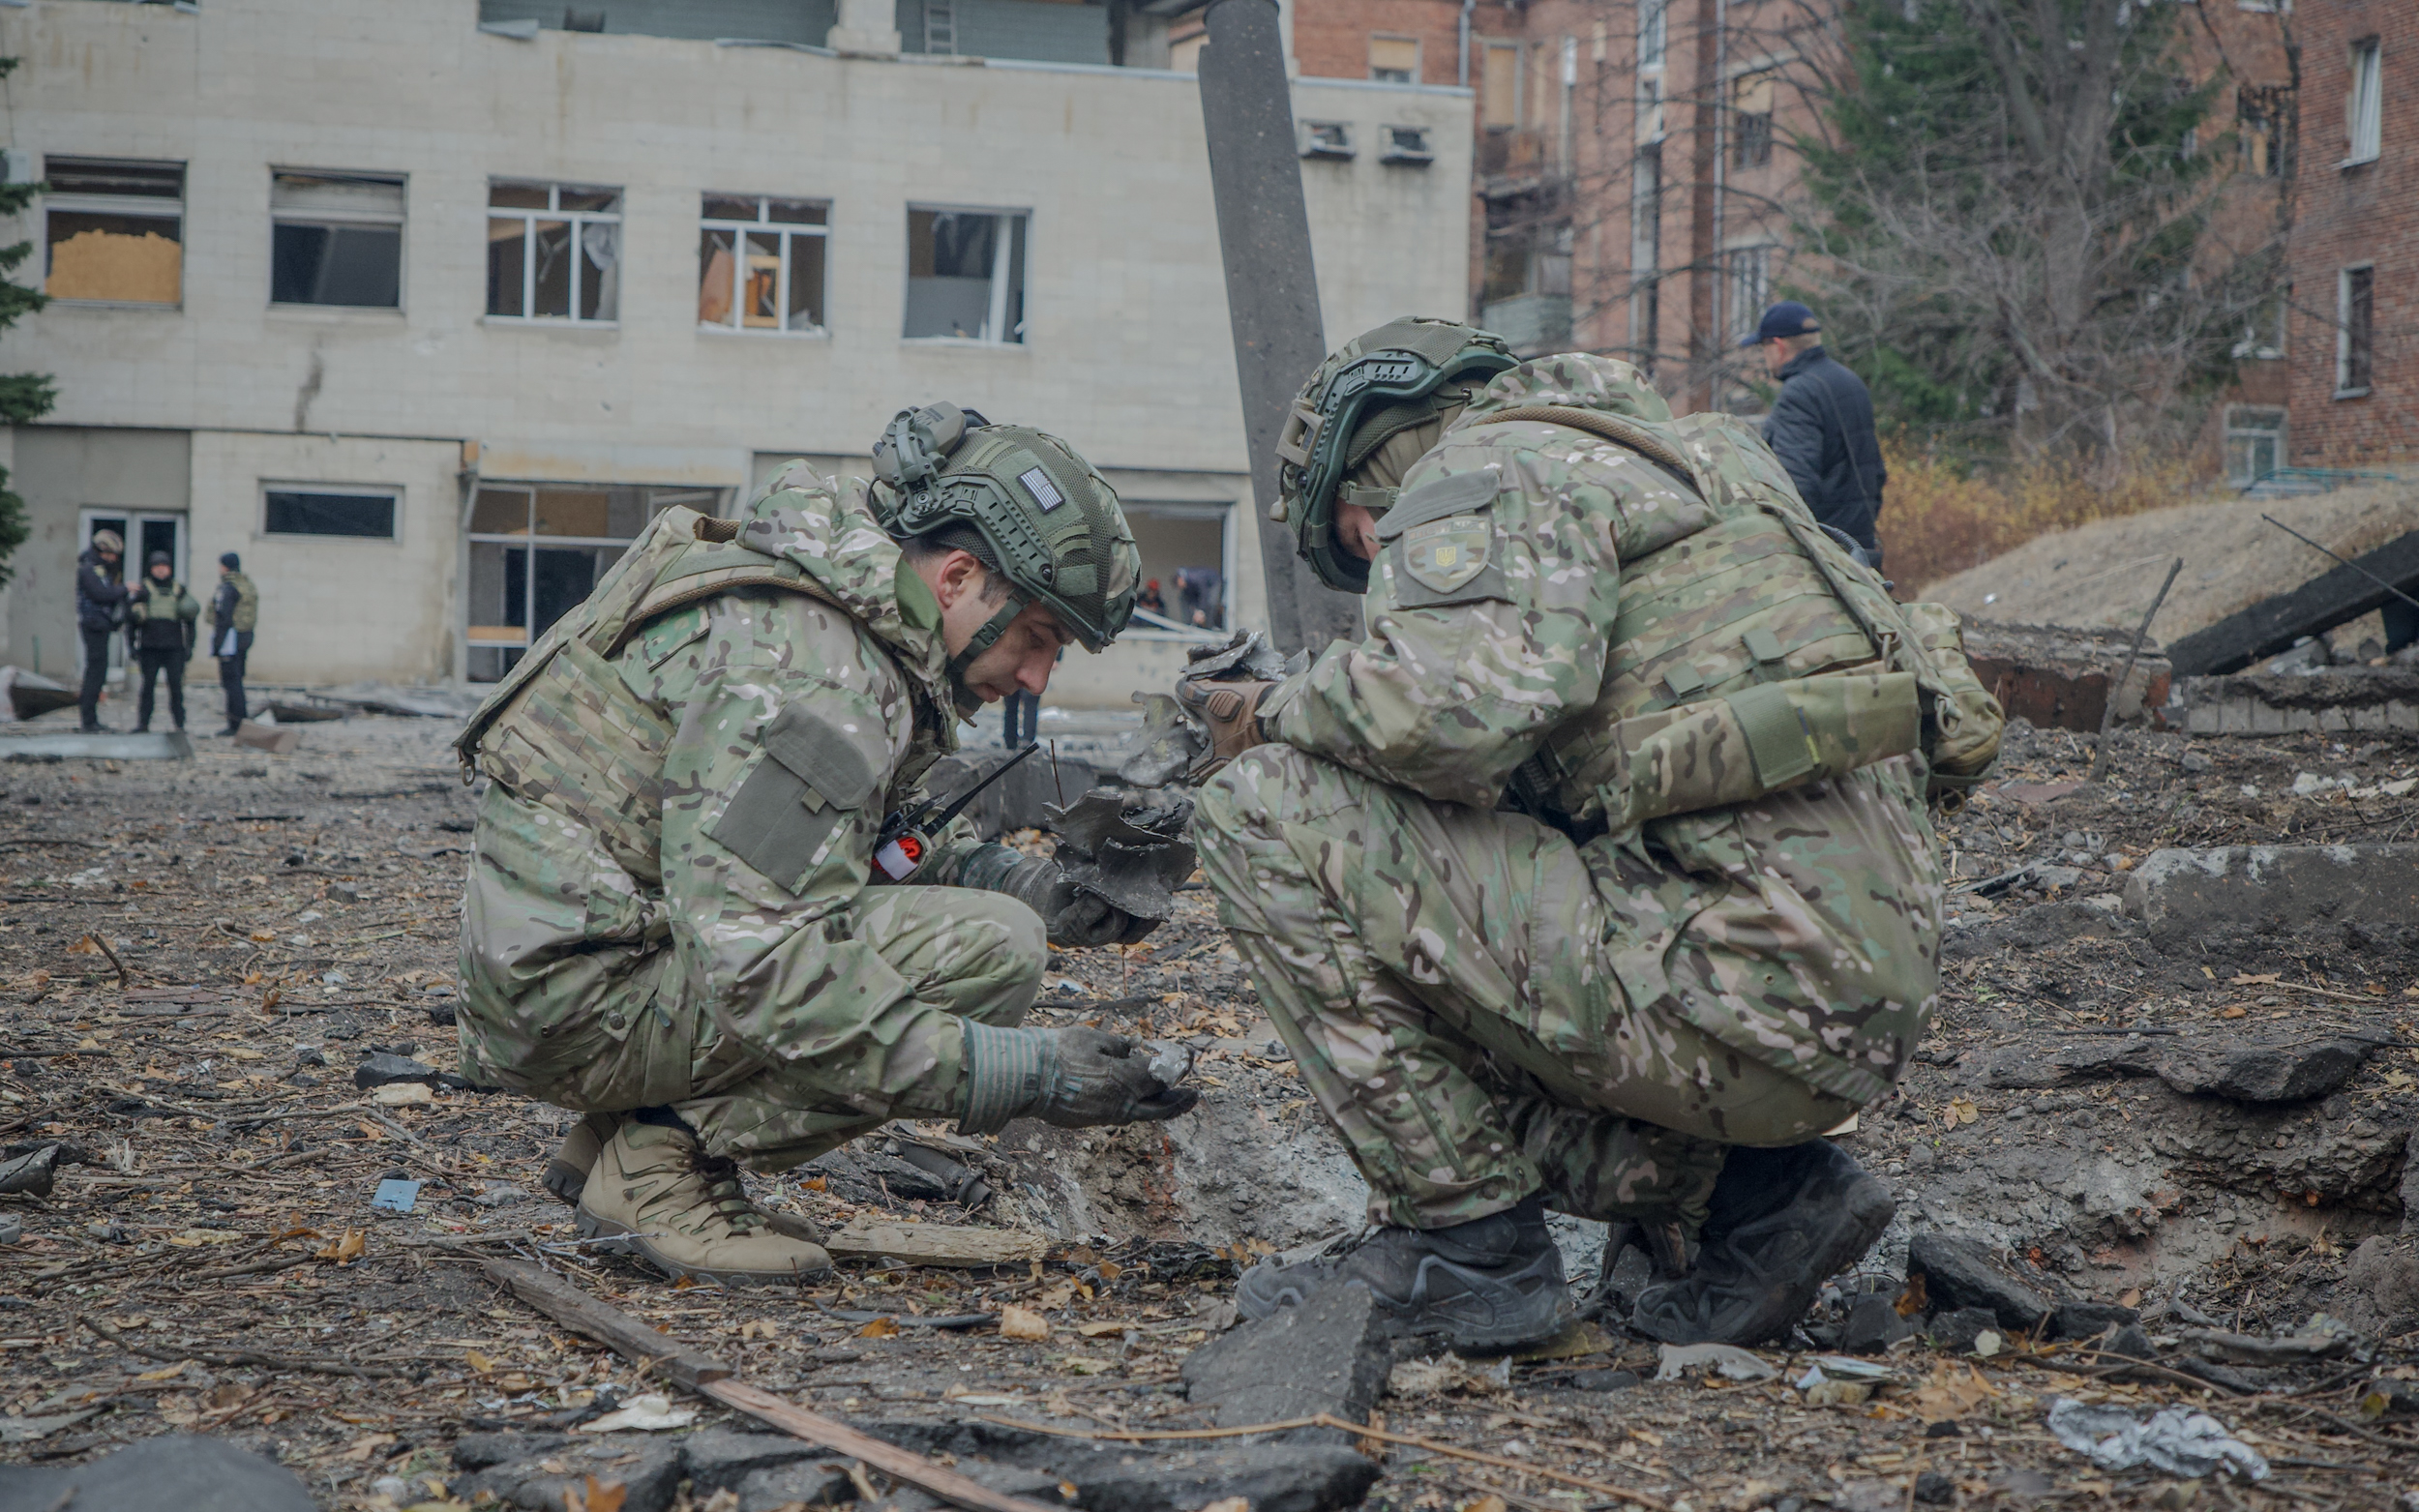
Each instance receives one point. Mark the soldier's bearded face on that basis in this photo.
(1357, 531)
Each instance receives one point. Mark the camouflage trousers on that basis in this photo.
(609, 1025)
(1443, 977)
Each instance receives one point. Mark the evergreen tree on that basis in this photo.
(2007, 205)
(24, 397)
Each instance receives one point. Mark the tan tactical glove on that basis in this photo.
(1230, 711)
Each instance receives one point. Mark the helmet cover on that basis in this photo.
(1371, 388)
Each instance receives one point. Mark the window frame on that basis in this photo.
(740, 230)
(579, 221)
(1418, 58)
(1654, 34)
(1736, 261)
(393, 493)
(143, 206)
(2235, 426)
(331, 220)
(1003, 261)
(2364, 103)
(2344, 343)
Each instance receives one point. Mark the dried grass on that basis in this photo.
(1944, 517)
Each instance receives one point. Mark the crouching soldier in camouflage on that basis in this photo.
(1603, 855)
(669, 924)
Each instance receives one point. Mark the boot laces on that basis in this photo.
(726, 1195)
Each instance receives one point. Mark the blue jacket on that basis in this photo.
(1821, 428)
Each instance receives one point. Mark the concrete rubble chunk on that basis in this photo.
(1330, 1355)
(1960, 1273)
(2184, 896)
(2086, 1319)
(385, 1070)
(717, 1459)
(1872, 1326)
(2058, 677)
(1956, 1328)
(2291, 1071)
(814, 1484)
(535, 1472)
(183, 1471)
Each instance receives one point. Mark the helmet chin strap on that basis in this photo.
(968, 703)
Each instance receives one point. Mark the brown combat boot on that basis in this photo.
(657, 1192)
(567, 1174)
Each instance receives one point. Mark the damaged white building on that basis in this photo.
(424, 309)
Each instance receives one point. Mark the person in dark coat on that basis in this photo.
(235, 610)
(100, 609)
(1821, 426)
(161, 620)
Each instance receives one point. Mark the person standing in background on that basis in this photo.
(1821, 426)
(161, 617)
(100, 609)
(234, 610)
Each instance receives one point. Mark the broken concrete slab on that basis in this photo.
(534, 1471)
(2058, 677)
(1958, 1328)
(2186, 896)
(171, 745)
(2343, 700)
(1960, 1273)
(276, 739)
(820, 1484)
(186, 1471)
(1329, 1354)
(1109, 1476)
(2293, 1071)
(2316, 607)
(2086, 1319)
(718, 1459)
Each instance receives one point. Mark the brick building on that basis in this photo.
(2352, 335)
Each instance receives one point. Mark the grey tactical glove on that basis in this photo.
(1076, 1078)
(1074, 916)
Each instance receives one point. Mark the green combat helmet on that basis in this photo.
(1024, 504)
(1372, 387)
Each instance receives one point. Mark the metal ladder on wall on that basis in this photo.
(941, 26)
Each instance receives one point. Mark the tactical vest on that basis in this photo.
(563, 722)
(247, 604)
(1750, 653)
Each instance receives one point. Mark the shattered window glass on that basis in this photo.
(336, 239)
(761, 264)
(965, 276)
(554, 252)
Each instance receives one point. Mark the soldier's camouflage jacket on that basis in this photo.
(721, 727)
(1540, 595)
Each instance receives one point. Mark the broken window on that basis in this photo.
(761, 264)
(537, 551)
(336, 239)
(2355, 339)
(2255, 443)
(113, 230)
(1752, 121)
(554, 251)
(2259, 122)
(1395, 60)
(330, 511)
(1325, 139)
(1653, 33)
(965, 276)
(2364, 103)
(1407, 144)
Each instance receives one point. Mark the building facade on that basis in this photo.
(426, 310)
(2352, 340)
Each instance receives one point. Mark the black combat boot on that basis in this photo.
(1495, 1283)
(1782, 1223)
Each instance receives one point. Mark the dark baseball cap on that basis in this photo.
(1786, 318)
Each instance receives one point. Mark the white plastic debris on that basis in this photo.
(1728, 1361)
(654, 1413)
(2175, 1440)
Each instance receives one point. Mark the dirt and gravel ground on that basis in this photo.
(209, 1260)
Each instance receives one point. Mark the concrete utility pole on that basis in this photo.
(1271, 287)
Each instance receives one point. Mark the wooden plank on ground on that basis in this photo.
(934, 1244)
(632, 1338)
(2273, 625)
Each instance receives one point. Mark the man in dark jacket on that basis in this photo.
(1821, 426)
(235, 610)
(161, 620)
(100, 609)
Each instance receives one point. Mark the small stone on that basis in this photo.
(2089, 1320)
(310, 1055)
(1872, 1326)
(1933, 1488)
(2194, 761)
(1957, 1329)
(1603, 1381)
(1960, 1272)
(12, 1228)
(383, 1070)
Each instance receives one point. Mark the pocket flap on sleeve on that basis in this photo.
(834, 761)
